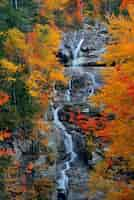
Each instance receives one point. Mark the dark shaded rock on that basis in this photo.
(61, 195)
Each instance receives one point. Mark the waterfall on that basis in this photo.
(76, 52)
(74, 64)
(68, 92)
(91, 89)
(63, 182)
(92, 85)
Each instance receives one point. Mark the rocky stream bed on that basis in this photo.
(80, 52)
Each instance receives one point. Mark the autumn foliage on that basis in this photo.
(3, 98)
(29, 70)
(114, 174)
(125, 3)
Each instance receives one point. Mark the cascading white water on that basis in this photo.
(68, 92)
(94, 85)
(62, 182)
(76, 52)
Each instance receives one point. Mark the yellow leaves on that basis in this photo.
(15, 42)
(35, 83)
(45, 70)
(124, 193)
(50, 36)
(69, 11)
(131, 11)
(55, 4)
(10, 66)
(42, 125)
(56, 76)
(98, 179)
(53, 38)
(48, 8)
(43, 48)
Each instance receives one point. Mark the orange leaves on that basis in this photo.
(4, 98)
(79, 10)
(31, 37)
(97, 6)
(125, 3)
(43, 44)
(110, 163)
(118, 68)
(45, 142)
(57, 76)
(117, 95)
(130, 90)
(48, 8)
(44, 99)
(42, 126)
(124, 193)
(102, 133)
(30, 167)
(4, 135)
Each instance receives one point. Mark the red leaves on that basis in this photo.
(72, 117)
(6, 152)
(81, 117)
(3, 98)
(92, 122)
(130, 90)
(84, 122)
(110, 163)
(123, 77)
(87, 123)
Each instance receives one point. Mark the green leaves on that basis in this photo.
(23, 17)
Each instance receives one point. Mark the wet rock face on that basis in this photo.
(93, 45)
(80, 146)
(78, 49)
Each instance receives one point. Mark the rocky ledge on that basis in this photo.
(93, 40)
